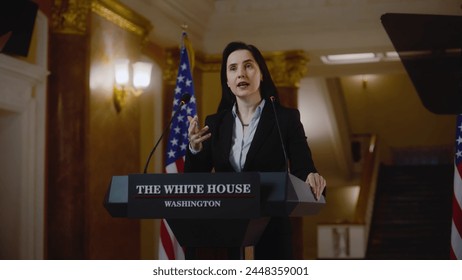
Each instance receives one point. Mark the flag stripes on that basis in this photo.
(169, 247)
(456, 229)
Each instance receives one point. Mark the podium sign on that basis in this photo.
(193, 195)
(245, 195)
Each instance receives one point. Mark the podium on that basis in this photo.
(213, 215)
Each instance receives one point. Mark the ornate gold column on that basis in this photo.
(66, 107)
(287, 69)
(78, 166)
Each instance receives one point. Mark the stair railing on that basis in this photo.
(368, 183)
(349, 240)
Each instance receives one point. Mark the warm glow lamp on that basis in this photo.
(141, 80)
(141, 76)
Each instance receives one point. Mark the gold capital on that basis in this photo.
(171, 66)
(287, 68)
(70, 16)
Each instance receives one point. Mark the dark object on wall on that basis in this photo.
(356, 150)
(17, 18)
(430, 49)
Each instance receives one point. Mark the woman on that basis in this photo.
(243, 137)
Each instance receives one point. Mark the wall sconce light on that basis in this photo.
(122, 87)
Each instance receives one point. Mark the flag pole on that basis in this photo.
(178, 142)
(186, 44)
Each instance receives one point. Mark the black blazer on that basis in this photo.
(265, 153)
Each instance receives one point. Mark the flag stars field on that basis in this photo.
(174, 142)
(171, 154)
(459, 153)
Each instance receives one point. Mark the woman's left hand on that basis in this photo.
(317, 184)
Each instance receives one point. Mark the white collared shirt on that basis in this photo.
(242, 138)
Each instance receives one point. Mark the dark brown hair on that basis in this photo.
(267, 86)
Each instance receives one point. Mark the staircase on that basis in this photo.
(412, 213)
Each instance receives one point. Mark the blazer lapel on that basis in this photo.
(264, 128)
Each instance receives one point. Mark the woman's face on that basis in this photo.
(243, 74)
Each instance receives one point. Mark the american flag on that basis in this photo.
(178, 142)
(456, 232)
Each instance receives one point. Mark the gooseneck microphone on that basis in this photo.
(272, 98)
(184, 100)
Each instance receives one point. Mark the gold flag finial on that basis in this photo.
(187, 44)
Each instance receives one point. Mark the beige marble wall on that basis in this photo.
(113, 142)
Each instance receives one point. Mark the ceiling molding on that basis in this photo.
(280, 25)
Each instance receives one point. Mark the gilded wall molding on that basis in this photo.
(286, 68)
(122, 16)
(70, 16)
(172, 59)
(205, 63)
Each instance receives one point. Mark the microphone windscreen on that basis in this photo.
(185, 98)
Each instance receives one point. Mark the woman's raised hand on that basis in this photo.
(197, 135)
